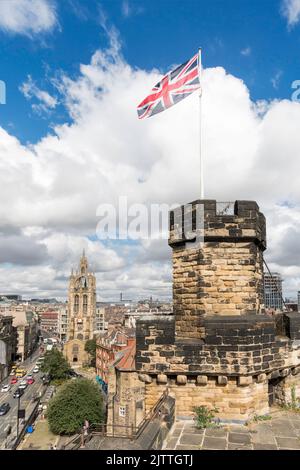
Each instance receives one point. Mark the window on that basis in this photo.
(76, 304)
(122, 411)
(85, 301)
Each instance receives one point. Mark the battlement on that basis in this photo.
(218, 221)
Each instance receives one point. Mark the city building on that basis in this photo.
(15, 297)
(81, 313)
(63, 323)
(291, 305)
(125, 402)
(27, 328)
(107, 345)
(49, 321)
(8, 344)
(273, 291)
(100, 324)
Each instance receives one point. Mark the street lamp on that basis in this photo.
(18, 409)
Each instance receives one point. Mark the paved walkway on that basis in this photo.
(40, 439)
(282, 432)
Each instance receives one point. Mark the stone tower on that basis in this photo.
(81, 312)
(220, 349)
(225, 275)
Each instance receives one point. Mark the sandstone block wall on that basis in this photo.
(219, 348)
(224, 275)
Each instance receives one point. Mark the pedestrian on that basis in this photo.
(54, 447)
(86, 427)
(51, 447)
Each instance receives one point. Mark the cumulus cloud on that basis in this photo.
(291, 11)
(27, 17)
(53, 188)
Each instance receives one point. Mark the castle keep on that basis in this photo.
(220, 349)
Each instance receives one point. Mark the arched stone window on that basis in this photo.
(85, 304)
(76, 304)
(79, 336)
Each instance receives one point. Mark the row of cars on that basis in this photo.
(27, 380)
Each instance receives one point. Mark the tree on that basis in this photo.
(55, 365)
(76, 401)
(90, 347)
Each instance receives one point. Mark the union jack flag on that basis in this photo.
(174, 87)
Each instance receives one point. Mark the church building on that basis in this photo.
(81, 313)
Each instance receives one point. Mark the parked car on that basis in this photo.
(13, 380)
(4, 408)
(30, 380)
(18, 393)
(36, 370)
(5, 388)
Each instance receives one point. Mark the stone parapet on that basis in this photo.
(246, 223)
(231, 346)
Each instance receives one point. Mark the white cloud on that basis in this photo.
(276, 79)
(246, 51)
(291, 11)
(125, 8)
(28, 17)
(129, 9)
(46, 101)
(52, 189)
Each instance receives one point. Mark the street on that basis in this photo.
(26, 400)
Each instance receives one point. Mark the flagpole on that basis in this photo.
(200, 127)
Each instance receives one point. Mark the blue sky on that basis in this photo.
(70, 140)
(250, 39)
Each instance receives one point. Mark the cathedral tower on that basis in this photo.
(81, 312)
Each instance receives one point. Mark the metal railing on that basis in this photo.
(116, 430)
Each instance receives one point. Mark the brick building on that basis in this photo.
(49, 321)
(107, 345)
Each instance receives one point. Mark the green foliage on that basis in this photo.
(55, 365)
(76, 401)
(205, 416)
(258, 418)
(90, 348)
(294, 404)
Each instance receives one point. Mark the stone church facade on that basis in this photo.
(220, 349)
(81, 313)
